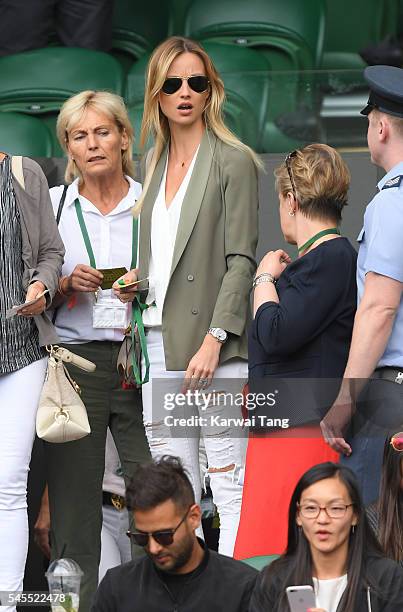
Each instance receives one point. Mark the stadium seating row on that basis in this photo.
(270, 54)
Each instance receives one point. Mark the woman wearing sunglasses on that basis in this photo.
(301, 332)
(386, 515)
(198, 235)
(331, 548)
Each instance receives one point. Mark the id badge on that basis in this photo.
(109, 314)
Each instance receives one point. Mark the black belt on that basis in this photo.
(111, 499)
(389, 373)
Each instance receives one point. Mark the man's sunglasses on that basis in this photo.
(197, 83)
(164, 538)
(397, 441)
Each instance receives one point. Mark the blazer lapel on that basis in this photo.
(146, 214)
(194, 196)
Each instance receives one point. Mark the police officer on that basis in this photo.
(370, 400)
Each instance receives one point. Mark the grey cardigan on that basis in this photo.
(42, 247)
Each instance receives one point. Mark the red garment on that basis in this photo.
(274, 465)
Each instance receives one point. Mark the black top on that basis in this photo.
(307, 334)
(218, 584)
(381, 590)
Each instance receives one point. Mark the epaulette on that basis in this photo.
(394, 182)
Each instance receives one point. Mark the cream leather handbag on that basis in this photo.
(61, 415)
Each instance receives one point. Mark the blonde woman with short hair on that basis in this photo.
(198, 236)
(303, 319)
(96, 225)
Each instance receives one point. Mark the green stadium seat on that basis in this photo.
(137, 29)
(245, 71)
(136, 116)
(290, 35)
(253, 23)
(236, 109)
(135, 81)
(178, 11)
(260, 562)
(40, 81)
(24, 135)
(344, 40)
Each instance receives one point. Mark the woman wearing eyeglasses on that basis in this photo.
(300, 335)
(331, 548)
(198, 235)
(386, 514)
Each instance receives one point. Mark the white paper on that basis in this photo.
(11, 312)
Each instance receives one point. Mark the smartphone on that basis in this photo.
(301, 598)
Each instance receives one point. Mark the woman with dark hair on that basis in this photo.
(331, 547)
(385, 516)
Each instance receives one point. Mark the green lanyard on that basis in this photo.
(308, 243)
(87, 240)
(137, 306)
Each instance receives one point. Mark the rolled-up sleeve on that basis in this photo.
(51, 249)
(240, 193)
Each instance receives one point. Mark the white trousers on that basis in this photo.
(207, 417)
(19, 396)
(115, 545)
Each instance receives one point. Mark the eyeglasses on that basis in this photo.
(198, 83)
(289, 170)
(397, 441)
(312, 511)
(165, 538)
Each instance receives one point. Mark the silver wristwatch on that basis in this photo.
(218, 333)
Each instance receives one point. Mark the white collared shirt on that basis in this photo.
(111, 240)
(164, 227)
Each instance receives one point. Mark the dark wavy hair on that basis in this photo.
(155, 482)
(296, 563)
(390, 503)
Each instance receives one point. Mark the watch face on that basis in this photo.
(219, 334)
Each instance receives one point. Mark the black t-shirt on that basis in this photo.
(177, 582)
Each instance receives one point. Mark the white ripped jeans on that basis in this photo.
(225, 442)
(19, 396)
(115, 545)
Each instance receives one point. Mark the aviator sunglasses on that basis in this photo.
(164, 538)
(397, 441)
(198, 83)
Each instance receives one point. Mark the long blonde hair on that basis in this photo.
(155, 124)
(104, 102)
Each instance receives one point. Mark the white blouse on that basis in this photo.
(111, 238)
(164, 227)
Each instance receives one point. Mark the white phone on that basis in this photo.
(301, 598)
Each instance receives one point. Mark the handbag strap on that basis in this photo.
(61, 204)
(58, 217)
(137, 320)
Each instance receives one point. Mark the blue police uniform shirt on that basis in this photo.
(381, 251)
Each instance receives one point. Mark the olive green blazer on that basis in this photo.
(214, 254)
